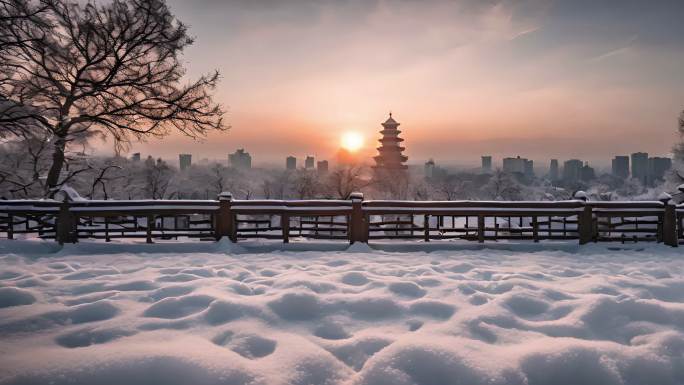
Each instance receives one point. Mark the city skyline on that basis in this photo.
(605, 164)
(499, 78)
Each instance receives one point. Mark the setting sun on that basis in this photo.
(352, 141)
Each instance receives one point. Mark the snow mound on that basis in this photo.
(363, 317)
(360, 247)
(10, 296)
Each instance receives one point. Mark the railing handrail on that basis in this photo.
(588, 216)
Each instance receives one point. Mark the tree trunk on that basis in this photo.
(56, 167)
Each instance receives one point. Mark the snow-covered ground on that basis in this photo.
(108, 314)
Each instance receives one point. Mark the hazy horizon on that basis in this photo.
(540, 79)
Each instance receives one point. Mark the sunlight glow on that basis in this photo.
(352, 141)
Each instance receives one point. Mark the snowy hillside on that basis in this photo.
(82, 316)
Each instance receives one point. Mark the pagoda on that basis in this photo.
(390, 157)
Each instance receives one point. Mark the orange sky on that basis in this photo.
(464, 78)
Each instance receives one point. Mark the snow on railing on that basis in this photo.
(356, 219)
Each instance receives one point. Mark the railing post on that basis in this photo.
(224, 225)
(10, 226)
(150, 226)
(107, 238)
(426, 227)
(585, 220)
(669, 227)
(285, 225)
(65, 224)
(481, 228)
(358, 231)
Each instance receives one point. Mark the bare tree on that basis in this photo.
(103, 178)
(502, 186)
(276, 187)
(22, 163)
(679, 148)
(450, 187)
(111, 70)
(306, 184)
(345, 180)
(15, 15)
(218, 178)
(391, 184)
(158, 177)
(18, 14)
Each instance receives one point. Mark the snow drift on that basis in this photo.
(359, 317)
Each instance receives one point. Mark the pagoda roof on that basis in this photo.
(387, 160)
(397, 149)
(391, 122)
(390, 139)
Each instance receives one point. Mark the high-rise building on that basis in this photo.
(185, 161)
(309, 162)
(486, 163)
(240, 159)
(657, 167)
(640, 166)
(519, 165)
(390, 156)
(529, 168)
(322, 166)
(621, 166)
(587, 173)
(514, 165)
(429, 168)
(553, 170)
(572, 170)
(135, 157)
(291, 163)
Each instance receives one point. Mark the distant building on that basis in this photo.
(529, 168)
(572, 170)
(322, 166)
(514, 165)
(640, 167)
(309, 163)
(135, 157)
(291, 163)
(587, 173)
(185, 161)
(621, 166)
(430, 169)
(519, 165)
(486, 163)
(657, 167)
(240, 159)
(553, 170)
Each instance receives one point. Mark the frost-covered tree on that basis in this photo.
(276, 186)
(502, 186)
(157, 178)
(306, 184)
(108, 69)
(677, 176)
(679, 149)
(345, 180)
